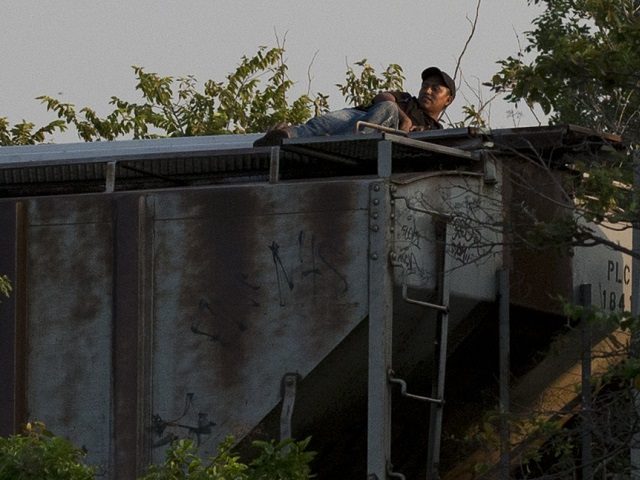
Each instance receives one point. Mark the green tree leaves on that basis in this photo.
(286, 460)
(26, 133)
(359, 89)
(255, 96)
(581, 66)
(37, 454)
(252, 98)
(5, 286)
(585, 67)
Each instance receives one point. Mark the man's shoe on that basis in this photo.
(274, 136)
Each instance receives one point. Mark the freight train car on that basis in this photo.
(200, 287)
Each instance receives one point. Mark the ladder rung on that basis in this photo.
(435, 306)
(403, 391)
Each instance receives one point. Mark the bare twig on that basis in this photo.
(474, 23)
(309, 77)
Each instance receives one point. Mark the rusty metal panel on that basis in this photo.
(534, 193)
(249, 284)
(69, 332)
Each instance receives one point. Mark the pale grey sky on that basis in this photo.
(82, 50)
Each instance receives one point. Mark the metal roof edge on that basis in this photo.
(26, 154)
(97, 152)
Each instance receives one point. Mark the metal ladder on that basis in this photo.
(382, 261)
(436, 400)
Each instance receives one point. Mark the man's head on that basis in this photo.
(437, 91)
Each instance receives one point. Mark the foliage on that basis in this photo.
(183, 462)
(554, 438)
(37, 454)
(251, 99)
(585, 66)
(175, 107)
(26, 133)
(580, 64)
(286, 460)
(360, 89)
(5, 286)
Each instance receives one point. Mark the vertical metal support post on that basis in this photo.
(20, 291)
(8, 325)
(125, 335)
(110, 175)
(146, 220)
(505, 371)
(634, 447)
(274, 165)
(380, 320)
(584, 298)
(435, 421)
(12, 318)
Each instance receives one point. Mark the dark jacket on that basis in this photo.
(409, 105)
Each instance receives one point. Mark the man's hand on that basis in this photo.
(404, 122)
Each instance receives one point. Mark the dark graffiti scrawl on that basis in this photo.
(280, 271)
(467, 244)
(184, 426)
(310, 264)
(409, 240)
(209, 323)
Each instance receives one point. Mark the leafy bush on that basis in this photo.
(36, 454)
(5, 286)
(286, 460)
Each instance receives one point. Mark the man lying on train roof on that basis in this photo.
(398, 110)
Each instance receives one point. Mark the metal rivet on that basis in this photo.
(376, 187)
(393, 215)
(392, 202)
(375, 228)
(374, 256)
(392, 229)
(375, 215)
(376, 201)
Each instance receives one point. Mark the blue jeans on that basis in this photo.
(344, 121)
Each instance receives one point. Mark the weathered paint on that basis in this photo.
(243, 286)
(69, 330)
(247, 287)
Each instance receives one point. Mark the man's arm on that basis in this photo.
(404, 122)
